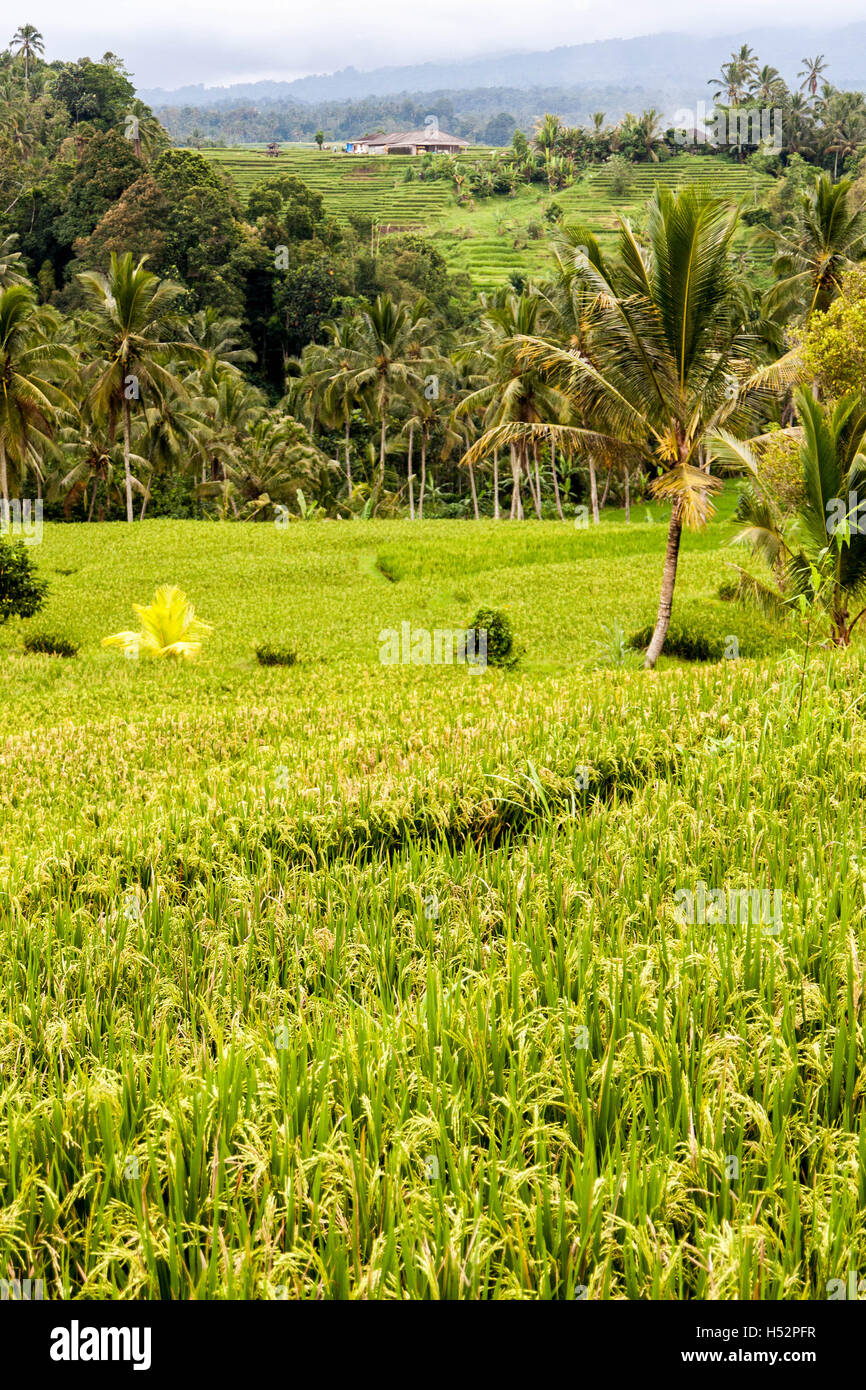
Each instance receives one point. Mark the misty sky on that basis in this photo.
(167, 43)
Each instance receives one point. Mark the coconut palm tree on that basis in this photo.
(325, 389)
(277, 458)
(829, 236)
(128, 331)
(31, 364)
(668, 358)
(515, 395)
(28, 41)
(735, 76)
(819, 551)
(380, 366)
(811, 72)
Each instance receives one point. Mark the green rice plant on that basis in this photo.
(373, 983)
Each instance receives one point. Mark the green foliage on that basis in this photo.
(500, 636)
(270, 655)
(22, 591)
(48, 644)
(682, 642)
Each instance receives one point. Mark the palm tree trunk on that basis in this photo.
(411, 474)
(348, 460)
(606, 486)
(593, 489)
(383, 442)
(474, 493)
(126, 433)
(555, 480)
(423, 476)
(4, 477)
(92, 501)
(145, 499)
(627, 495)
(496, 485)
(666, 599)
(537, 478)
(516, 506)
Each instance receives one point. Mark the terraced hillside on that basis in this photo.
(372, 187)
(495, 238)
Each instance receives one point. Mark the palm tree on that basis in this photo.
(819, 551)
(30, 364)
(767, 86)
(810, 72)
(735, 76)
(669, 350)
(516, 394)
(326, 387)
(380, 367)
(128, 326)
(13, 270)
(277, 458)
(810, 260)
(27, 40)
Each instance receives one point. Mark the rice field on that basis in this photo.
(494, 238)
(347, 980)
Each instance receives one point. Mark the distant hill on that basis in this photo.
(665, 69)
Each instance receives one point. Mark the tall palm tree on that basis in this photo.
(811, 72)
(516, 394)
(128, 326)
(380, 367)
(829, 236)
(326, 385)
(31, 364)
(27, 40)
(669, 355)
(735, 76)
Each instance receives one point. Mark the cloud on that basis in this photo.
(166, 45)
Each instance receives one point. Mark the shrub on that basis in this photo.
(682, 642)
(780, 468)
(44, 643)
(500, 636)
(22, 592)
(266, 655)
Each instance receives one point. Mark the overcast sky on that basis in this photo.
(167, 43)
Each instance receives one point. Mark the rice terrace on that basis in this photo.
(432, 563)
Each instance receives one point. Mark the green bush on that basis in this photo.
(22, 592)
(266, 655)
(682, 642)
(44, 643)
(500, 636)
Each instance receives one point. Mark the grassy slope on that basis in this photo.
(490, 240)
(398, 867)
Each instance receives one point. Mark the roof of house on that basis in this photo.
(427, 137)
(410, 137)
